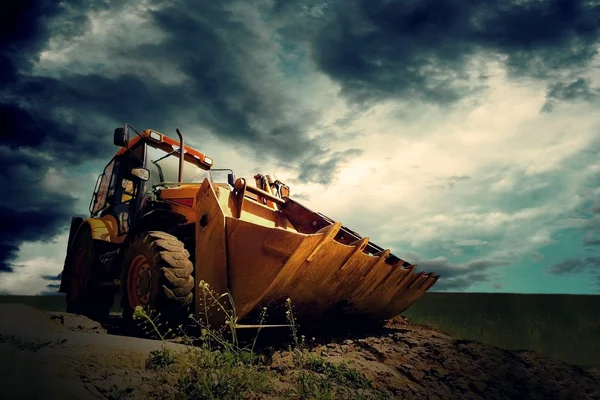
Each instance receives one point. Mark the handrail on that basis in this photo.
(240, 182)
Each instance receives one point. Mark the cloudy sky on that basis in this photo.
(462, 135)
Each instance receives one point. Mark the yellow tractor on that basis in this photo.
(163, 220)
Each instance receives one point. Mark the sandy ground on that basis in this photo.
(61, 356)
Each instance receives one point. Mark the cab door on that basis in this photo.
(124, 190)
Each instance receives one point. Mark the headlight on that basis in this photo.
(156, 136)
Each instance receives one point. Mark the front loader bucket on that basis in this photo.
(266, 253)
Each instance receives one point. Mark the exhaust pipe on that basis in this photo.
(181, 155)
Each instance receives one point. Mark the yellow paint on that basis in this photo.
(127, 188)
(185, 191)
(105, 228)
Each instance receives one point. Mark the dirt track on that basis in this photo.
(60, 356)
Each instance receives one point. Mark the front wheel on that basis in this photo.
(157, 275)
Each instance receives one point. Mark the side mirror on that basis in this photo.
(121, 137)
(140, 173)
(231, 180)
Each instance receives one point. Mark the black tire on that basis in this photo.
(84, 296)
(165, 277)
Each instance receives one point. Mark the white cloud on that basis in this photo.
(33, 262)
(505, 184)
(119, 30)
(470, 242)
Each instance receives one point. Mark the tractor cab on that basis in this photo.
(145, 166)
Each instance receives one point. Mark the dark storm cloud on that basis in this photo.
(230, 87)
(52, 288)
(419, 49)
(322, 171)
(460, 283)
(588, 240)
(53, 277)
(573, 266)
(458, 276)
(28, 212)
(22, 34)
(30, 124)
(579, 89)
(589, 212)
(34, 136)
(27, 25)
(591, 236)
(233, 88)
(33, 139)
(301, 196)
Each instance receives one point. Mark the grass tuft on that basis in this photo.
(221, 368)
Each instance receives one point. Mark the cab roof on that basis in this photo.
(163, 142)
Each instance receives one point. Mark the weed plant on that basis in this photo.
(222, 368)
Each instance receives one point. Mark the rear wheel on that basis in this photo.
(157, 276)
(84, 295)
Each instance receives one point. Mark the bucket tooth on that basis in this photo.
(420, 288)
(374, 276)
(359, 246)
(330, 273)
(398, 291)
(404, 276)
(340, 286)
(398, 273)
(432, 282)
(394, 286)
(414, 290)
(381, 257)
(429, 281)
(379, 296)
(373, 271)
(310, 266)
(329, 234)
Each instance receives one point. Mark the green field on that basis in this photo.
(566, 327)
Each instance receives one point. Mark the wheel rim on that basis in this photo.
(139, 282)
(78, 277)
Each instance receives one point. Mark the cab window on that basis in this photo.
(164, 167)
(103, 189)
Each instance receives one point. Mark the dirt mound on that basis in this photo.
(421, 363)
(62, 356)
